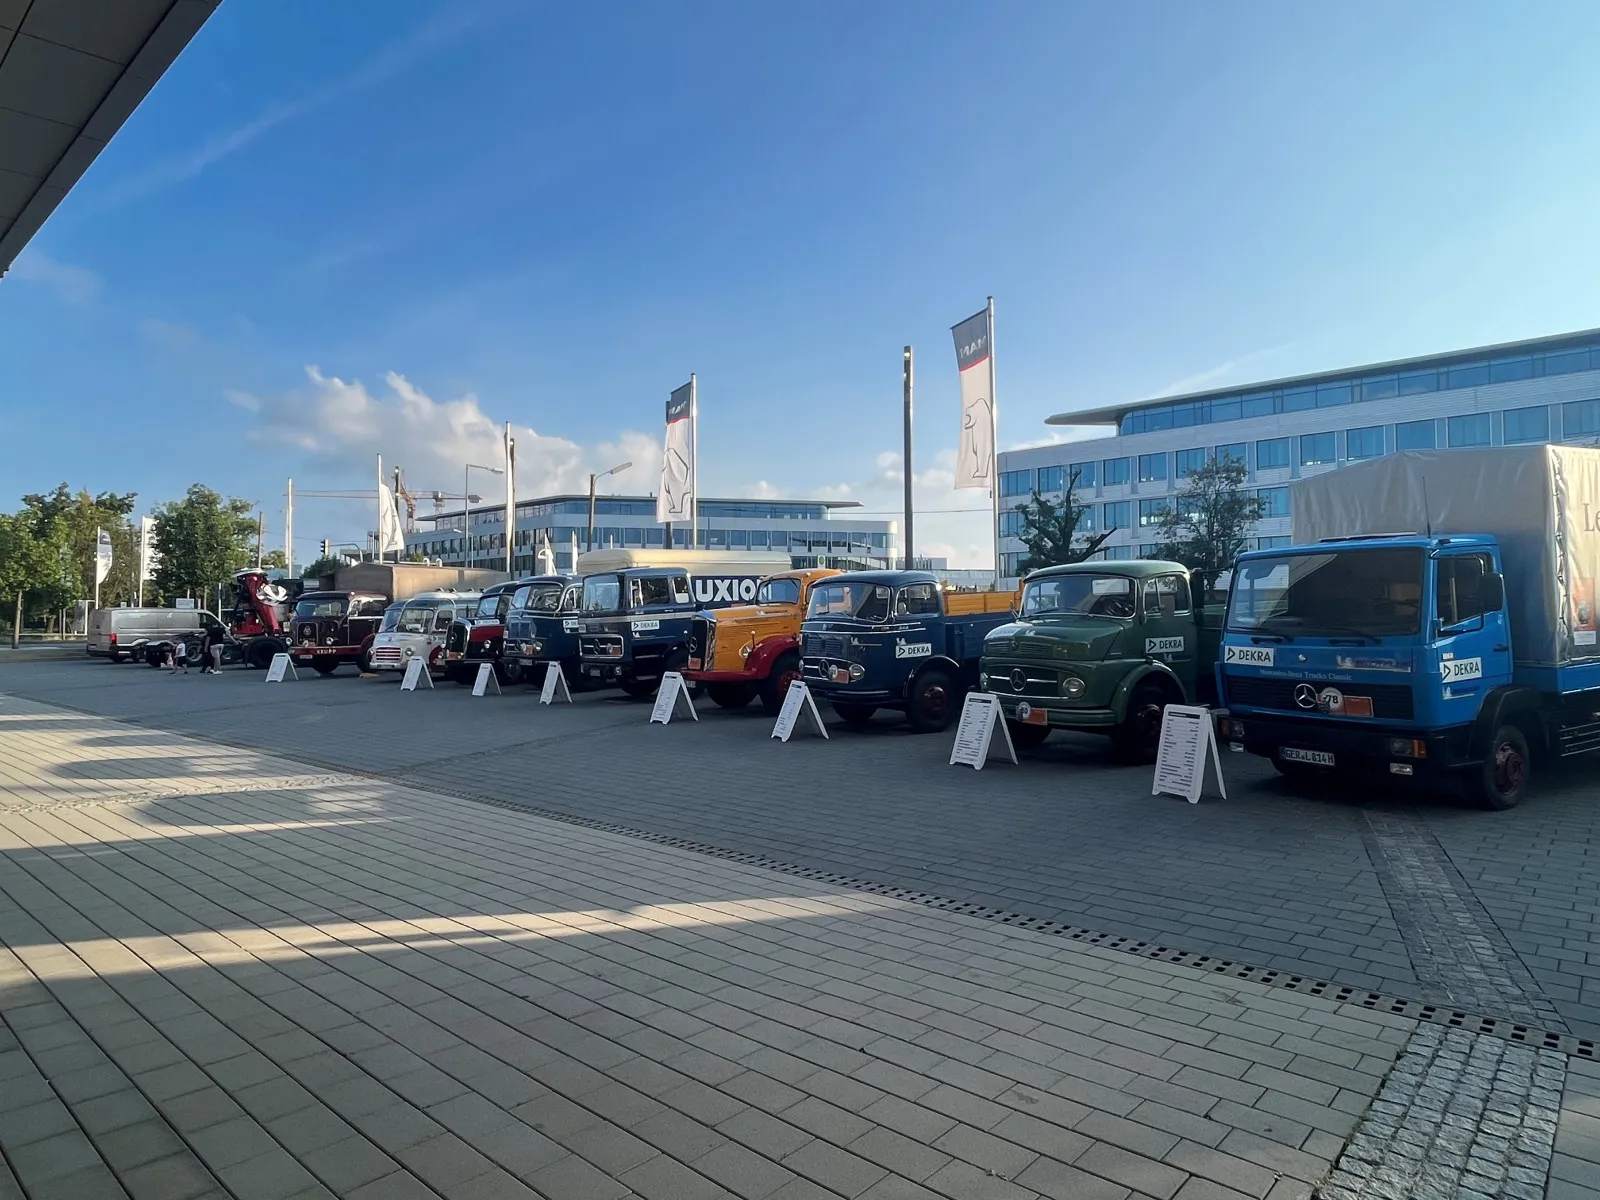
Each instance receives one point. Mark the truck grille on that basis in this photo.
(825, 645)
(1390, 701)
(699, 643)
(600, 645)
(1029, 681)
(387, 654)
(308, 633)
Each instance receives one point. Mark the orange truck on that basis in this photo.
(753, 650)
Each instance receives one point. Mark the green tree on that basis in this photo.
(323, 566)
(202, 539)
(1206, 524)
(35, 568)
(1050, 531)
(82, 516)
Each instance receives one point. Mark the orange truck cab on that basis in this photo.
(753, 650)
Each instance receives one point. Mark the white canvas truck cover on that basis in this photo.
(1541, 502)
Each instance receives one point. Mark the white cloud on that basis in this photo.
(1062, 435)
(1220, 374)
(76, 285)
(342, 426)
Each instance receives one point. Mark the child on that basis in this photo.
(180, 659)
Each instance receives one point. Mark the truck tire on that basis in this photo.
(855, 714)
(325, 668)
(1026, 737)
(1139, 736)
(1500, 780)
(776, 685)
(935, 699)
(730, 695)
(512, 672)
(364, 663)
(259, 656)
(640, 689)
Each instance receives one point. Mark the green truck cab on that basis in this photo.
(1103, 647)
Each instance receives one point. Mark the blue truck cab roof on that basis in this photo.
(1381, 541)
(892, 579)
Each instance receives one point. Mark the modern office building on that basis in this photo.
(1546, 389)
(806, 530)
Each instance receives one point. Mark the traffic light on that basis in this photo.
(325, 548)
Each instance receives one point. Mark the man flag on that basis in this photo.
(975, 453)
(678, 475)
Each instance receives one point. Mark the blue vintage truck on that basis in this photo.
(896, 639)
(1463, 651)
(635, 609)
(542, 628)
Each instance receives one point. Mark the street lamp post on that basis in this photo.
(593, 478)
(466, 501)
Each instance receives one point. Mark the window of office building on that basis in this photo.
(1190, 461)
(1274, 501)
(1150, 511)
(1086, 519)
(1052, 479)
(1152, 468)
(1366, 442)
(1233, 452)
(1011, 523)
(1115, 471)
(1415, 435)
(1316, 449)
(1119, 553)
(1011, 564)
(1016, 483)
(1580, 418)
(1272, 453)
(1273, 543)
(1088, 473)
(1470, 430)
(1119, 514)
(1148, 550)
(1527, 424)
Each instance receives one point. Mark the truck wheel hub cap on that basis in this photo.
(1305, 696)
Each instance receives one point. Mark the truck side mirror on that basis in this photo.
(1492, 593)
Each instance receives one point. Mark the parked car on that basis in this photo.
(123, 633)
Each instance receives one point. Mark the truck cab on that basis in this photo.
(1389, 655)
(1102, 647)
(329, 629)
(752, 650)
(542, 627)
(898, 640)
(420, 631)
(480, 637)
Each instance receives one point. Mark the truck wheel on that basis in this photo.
(776, 685)
(324, 668)
(1026, 737)
(259, 656)
(640, 689)
(512, 672)
(934, 699)
(854, 714)
(364, 663)
(1137, 739)
(1500, 780)
(730, 695)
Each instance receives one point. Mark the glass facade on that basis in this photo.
(1364, 443)
(1052, 479)
(1119, 514)
(1580, 419)
(1272, 453)
(1016, 483)
(1274, 501)
(1088, 474)
(1152, 468)
(1116, 471)
(1415, 435)
(1150, 511)
(1238, 452)
(1527, 425)
(1190, 461)
(1317, 449)
(1470, 430)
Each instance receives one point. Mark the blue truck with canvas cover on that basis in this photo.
(1434, 620)
(899, 640)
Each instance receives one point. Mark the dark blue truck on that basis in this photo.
(542, 628)
(896, 639)
(634, 622)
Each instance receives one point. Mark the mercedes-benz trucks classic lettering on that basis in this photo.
(542, 628)
(1434, 620)
(896, 639)
(1103, 647)
(635, 609)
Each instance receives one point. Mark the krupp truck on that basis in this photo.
(1103, 647)
(1463, 650)
(542, 627)
(753, 650)
(635, 609)
(896, 639)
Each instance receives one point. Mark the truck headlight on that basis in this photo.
(1072, 687)
(856, 671)
(327, 641)
(536, 646)
(409, 652)
(983, 680)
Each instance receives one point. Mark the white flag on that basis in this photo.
(675, 502)
(148, 557)
(390, 536)
(975, 459)
(102, 557)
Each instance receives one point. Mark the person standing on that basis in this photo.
(216, 638)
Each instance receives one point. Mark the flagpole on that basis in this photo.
(380, 508)
(97, 533)
(906, 382)
(694, 464)
(994, 452)
(511, 500)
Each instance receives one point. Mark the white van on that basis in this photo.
(421, 628)
(119, 633)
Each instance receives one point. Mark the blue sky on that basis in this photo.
(335, 230)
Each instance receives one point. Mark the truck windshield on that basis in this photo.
(602, 594)
(1079, 595)
(1367, 592)
(391, 618)
(538, 599)
(417, 616)
(779, 591)
(863, 601)
(326, 606)
(494, 606)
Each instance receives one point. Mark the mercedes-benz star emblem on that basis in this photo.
(1305, 695)
(1019, 681)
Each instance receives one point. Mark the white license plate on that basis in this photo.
(1319, 758)
(694, 664)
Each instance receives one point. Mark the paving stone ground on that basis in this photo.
(272, 985)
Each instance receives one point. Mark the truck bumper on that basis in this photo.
(304, 655)
(1059, 716)
(722, 677)
(861, 697)
(1424, 753)
(611, 671)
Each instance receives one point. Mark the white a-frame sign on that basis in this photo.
(485, 680)
(672, 690)
(797, 703)
(416, 674)
(980, 714)
(1188, 738)
(280, 664)
(555, 684)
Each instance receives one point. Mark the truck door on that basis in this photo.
(1472, 647)
(1168, 634)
